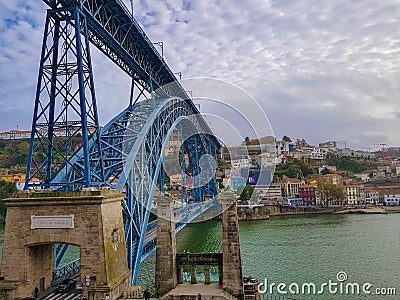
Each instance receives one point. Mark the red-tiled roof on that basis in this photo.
(331, 175)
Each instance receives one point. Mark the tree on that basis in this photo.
(247, 193)
(294, 169)
(6, 189)
(347, 164)
(302, 143)
(329, 193)
(286, 139)
(325, 171)
(23, 148)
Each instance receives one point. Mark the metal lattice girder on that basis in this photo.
(111, 141)
(65, 112)
(59, 251)
(116, 33)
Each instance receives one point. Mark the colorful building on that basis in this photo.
(290, 186)
(354, 194)
(308, 193)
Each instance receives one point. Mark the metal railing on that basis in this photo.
(67, 271)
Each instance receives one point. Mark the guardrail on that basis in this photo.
(152, 225)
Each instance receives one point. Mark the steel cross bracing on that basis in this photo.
(114, 31)
(65, 109)
(110, 27)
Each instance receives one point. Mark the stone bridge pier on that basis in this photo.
(169, 264)
(90, 219)
(232, 261)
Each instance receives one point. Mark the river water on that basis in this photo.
(306, 249)
(309, 249)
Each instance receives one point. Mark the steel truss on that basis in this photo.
(114, 31)
(65, 112)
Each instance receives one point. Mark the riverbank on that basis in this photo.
(263, 212)
(366, 210)
(392, 209)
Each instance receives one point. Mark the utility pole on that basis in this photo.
(132, 7)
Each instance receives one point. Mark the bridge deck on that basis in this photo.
(189, 291)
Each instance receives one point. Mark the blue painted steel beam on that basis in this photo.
(65, 105)
(115, 32)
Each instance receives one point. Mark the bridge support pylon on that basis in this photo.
(165, 275)
(90, 219)
(232, 261)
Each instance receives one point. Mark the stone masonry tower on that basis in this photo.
(165, 276)
(90, 219)
(232, 262)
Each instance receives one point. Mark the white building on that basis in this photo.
(314, 153)
(363, 177)
(392, 199)
(354, 194)
(274, 191)
(15, 134)
(266, 160)
(398, 171)
(282, 147)
(35, 184)
(347, 152)
(371, 196)
(240, 162)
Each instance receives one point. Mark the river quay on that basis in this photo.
(263, 212)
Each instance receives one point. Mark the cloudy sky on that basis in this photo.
(321, 70)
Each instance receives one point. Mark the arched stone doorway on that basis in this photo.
(90, 219)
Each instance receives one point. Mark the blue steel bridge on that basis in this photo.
(70, 151)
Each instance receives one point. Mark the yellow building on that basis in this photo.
(290, 186)
(13, 178)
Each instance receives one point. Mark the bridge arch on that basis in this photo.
(146, 139)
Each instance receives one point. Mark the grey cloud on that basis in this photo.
(320, 69)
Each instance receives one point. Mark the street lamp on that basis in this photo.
(161, 44)
(179, 74)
